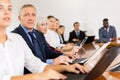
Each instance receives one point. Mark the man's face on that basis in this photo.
(57, 24)
(27, 17)
(105, 24)
(76, 26)
(52, 24)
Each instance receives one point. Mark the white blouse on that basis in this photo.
(53, 39)
(14, 55)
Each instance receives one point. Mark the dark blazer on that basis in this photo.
(73, 35)
(64, 42)
(45, 49)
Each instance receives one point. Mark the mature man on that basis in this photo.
(107, 32)
(34, 39)
(76, 35)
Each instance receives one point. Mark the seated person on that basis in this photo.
(60, 32)
(76, 35)
(107, 32)
(52, 37)
(15, 54)
(42, 25)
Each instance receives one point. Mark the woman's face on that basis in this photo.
(42, 27)
(5, 13)
(61, 30)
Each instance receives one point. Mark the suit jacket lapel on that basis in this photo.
(75, 34)
(41, 43)
(25, 37)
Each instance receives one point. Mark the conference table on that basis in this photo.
(89, 49)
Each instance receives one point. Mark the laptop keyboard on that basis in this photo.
(81, 60)
(73, 76)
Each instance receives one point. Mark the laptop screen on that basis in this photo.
(83, 42)
(90, 39)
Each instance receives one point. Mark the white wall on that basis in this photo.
(89, 13)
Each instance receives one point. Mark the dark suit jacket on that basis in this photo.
(64, 42)
(45, 49)
(73, 35)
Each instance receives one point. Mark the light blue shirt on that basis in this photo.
(49, 61)
(27, 32)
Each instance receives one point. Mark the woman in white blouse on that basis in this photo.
(15, 54)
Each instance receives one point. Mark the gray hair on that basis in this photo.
(41, 20)
(26, 5)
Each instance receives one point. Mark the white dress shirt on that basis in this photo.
(60, 38)
(14, 55)
(107, 29)
(53, 39)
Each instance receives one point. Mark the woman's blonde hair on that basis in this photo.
(41, 20)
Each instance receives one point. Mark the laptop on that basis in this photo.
(81, 43)
(82, 50)
(93, 56)
(115, 68)
(99, 68)
(90, 39)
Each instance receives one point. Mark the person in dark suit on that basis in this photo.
(76, 35)
(35, 39)
(46, 52)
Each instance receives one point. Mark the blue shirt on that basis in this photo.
(27, 32)
(49, 61)
(105, 35)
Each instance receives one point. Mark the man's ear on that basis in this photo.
(19, 18)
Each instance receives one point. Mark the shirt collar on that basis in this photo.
(107, 29)
(77, 31)
(9, 36)
(26, 30)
